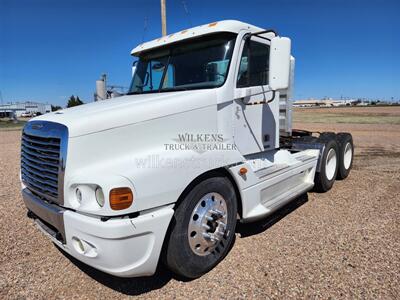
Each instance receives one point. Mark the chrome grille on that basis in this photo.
(43, 159)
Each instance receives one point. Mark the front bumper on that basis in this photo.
(120, 246)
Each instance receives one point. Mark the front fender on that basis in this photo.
(137, 156)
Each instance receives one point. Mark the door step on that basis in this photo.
(270, 170)
(304, 157)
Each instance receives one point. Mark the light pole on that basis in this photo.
(163, 18)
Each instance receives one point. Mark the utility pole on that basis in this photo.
(163, 18)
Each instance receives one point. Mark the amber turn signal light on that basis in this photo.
(120, 198)
(242, 171)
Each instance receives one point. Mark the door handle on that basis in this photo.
(261, 102)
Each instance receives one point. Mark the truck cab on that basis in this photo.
(202, 140)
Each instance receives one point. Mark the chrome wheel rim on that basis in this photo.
(207, 225)
(348, 156)
(330, 164)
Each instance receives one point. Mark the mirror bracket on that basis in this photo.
(259, 33)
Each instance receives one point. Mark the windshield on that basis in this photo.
(194, 64)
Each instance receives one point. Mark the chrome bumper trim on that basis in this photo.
(49, 213)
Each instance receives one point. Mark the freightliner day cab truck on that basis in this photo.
(202, 140)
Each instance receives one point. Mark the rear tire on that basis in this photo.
(327, 135)
(325, 178)
(346, 154)
(203, 228)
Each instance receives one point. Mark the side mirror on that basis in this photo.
(279, 63)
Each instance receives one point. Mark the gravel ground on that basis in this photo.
(341, 244)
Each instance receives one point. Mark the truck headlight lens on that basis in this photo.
(99, 197)
(121, 198)
(78, 194)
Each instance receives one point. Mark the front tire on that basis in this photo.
(203, 228)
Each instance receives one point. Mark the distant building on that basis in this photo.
(306, 103)
(19, 108)
(322, 103)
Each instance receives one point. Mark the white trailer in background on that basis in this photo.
(202, 140)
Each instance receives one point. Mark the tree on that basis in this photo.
(55, 107)
(74, 101)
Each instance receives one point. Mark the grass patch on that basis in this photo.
(6, 124)
(320, 117)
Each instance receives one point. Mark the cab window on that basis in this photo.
(254, 64)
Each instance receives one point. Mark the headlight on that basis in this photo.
(78, 194)
(99, 197)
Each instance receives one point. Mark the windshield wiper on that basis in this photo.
(143, 92)
(174, 89)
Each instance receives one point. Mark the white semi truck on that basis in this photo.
(202, 140)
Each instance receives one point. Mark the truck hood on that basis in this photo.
(127, 110)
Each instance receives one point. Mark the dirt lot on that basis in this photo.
(341, 244)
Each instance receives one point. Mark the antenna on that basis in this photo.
(163, 18)
(145, 24)
(144, 28)
(184, 4)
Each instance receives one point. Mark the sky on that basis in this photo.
(50, 50)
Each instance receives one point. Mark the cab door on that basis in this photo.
(255, 125)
